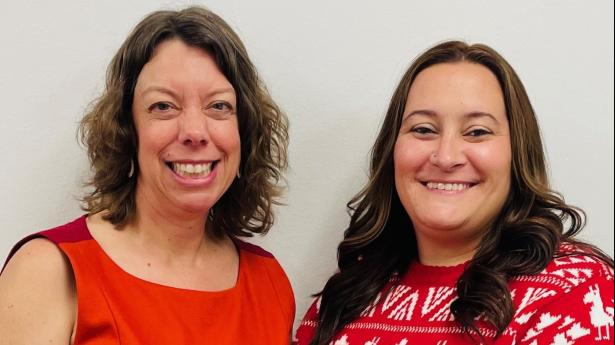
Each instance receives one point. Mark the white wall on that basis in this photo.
(332, 65)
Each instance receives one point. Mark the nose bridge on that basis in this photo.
(193, 127)
(449, 152)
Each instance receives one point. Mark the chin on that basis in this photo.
(195, 206)
(443, 220)
(444, 226)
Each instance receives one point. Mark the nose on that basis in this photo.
(193, 129)
(449, 153)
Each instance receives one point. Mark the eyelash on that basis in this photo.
(228, 106)
(157, 104)
(168, 106)
(422, 130)
(477, 132)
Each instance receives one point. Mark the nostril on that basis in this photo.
(194, 141)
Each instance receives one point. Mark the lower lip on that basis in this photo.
(195, 181)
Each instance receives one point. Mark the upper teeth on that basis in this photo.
(447, 186)
(187, 169)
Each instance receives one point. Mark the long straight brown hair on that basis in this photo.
(525, 236)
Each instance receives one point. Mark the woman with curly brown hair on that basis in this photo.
(457, 237)
(187, 151)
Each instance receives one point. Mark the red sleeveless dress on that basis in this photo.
(115, 307)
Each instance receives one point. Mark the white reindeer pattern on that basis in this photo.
(599, 315)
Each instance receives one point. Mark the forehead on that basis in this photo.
(459, 87)
(169, 49)
(178, 65)
(172, 55)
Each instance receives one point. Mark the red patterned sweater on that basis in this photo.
(570, 302)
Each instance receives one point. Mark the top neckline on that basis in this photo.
(418, 272)
(105, 256)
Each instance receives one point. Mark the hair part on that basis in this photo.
(379, 241)
(107, 130)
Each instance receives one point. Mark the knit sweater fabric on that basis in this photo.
(569, 303)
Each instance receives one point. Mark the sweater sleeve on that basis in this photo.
(583, 316)
(306, 329)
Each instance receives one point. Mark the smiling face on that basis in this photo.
(452, 156)
(184, 112)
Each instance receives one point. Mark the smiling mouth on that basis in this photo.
(453, 187)
(193, 170)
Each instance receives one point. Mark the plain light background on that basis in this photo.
(332, 66)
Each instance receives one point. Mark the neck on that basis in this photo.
(445, 250)
(172, 233)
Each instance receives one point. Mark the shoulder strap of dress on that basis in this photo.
(252, 248)
(74, 231)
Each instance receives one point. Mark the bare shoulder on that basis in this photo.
(37, 292)
(38, 253)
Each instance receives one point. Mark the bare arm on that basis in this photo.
(37, 296)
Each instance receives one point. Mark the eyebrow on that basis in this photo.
(221, 91)
(171, 93)
(161, 90)
(431, 113)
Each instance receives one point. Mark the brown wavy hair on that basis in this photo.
(526, 235)
(108, 132)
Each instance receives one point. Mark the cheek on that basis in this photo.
(156, 136)
(493, 160)
(225, 135)
(408, 157)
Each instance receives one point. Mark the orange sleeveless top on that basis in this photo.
(115, 307)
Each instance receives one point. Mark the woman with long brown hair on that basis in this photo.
(457, 238)
(187, 150)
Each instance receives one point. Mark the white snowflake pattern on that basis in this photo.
(545, 321)
(523, 318)
(342, 341)
(576, 331)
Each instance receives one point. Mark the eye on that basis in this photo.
(423, 130)
(160, 106)
(478, 132)
(221, 106)
(220, 110)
